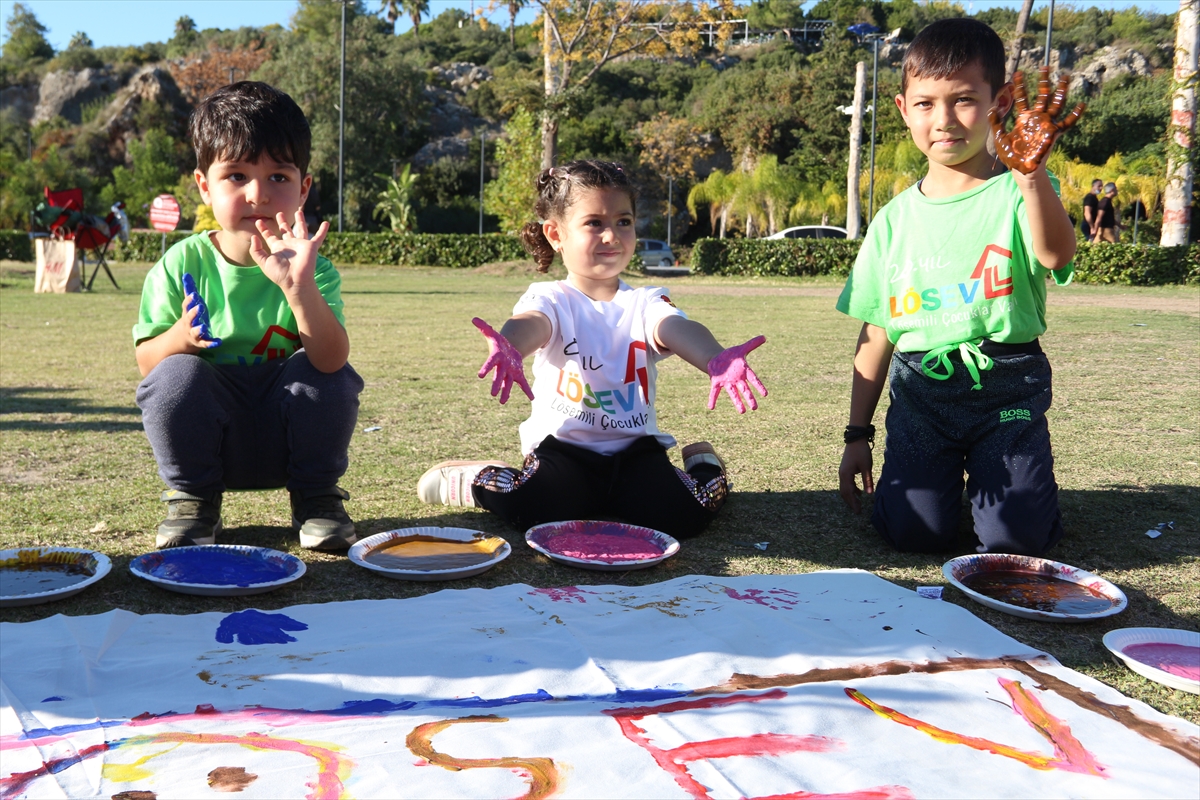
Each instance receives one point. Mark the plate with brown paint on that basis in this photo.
(32, 575)
(1034, 588)
(430, 554)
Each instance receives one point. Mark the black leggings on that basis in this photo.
(640, 485)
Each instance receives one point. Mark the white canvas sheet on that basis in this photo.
(830, 684)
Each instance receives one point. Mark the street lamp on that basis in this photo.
(875, 38)
(342, 122)
(1049, 30)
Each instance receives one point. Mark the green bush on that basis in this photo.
(1124, 264)
(462, 250)
(774, 256)
(1137, 265)
(15, 246)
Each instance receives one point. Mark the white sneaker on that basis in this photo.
(449, 483)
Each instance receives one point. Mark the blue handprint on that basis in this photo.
(202, 321)
(255, 627)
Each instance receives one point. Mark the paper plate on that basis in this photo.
(32, 575)
(1080, 597)
(1123, 639)
(437, 554)
(218, 570)
(604, 546)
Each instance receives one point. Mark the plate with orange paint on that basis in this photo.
(429, 553)
(32, 575)
(1169, 656)
(601, 545)
(1034, 588)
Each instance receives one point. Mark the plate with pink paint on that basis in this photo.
(1165, 655)
(600, 545)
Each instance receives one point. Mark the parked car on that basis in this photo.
(811, 232)
(655, 253)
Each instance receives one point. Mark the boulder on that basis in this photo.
(64, 93)
(149, 85)
(446, 146)
(462, 76)
(1105, 64)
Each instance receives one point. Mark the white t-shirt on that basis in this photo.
(593, 382)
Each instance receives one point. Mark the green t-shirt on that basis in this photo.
(938, 272)
(246, 310)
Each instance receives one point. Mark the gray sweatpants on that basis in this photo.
(997, 434)
(281, 423)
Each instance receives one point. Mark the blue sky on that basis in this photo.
(125, 22)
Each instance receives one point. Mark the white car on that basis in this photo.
(811, 232)
(655, 253)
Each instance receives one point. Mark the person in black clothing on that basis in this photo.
(1091, 205)
(1107, 229)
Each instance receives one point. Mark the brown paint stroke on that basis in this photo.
(135, 794)
(541, 772)
(230, 779)
(1176, 742)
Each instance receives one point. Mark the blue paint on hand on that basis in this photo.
(202, 321)
(255, 627)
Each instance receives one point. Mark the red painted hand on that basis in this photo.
(505, 359)
(729, 371)
(1034, 129)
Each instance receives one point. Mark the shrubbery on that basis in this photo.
(1124, 264)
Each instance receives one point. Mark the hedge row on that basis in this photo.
(1124, 264)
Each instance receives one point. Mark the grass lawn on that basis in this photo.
(76, 469)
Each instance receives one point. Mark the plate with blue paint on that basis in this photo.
(32, 575)
(218, 570)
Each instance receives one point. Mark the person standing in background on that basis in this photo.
(1107, 229)
(1091, 206)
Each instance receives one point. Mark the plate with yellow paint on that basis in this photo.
(430, 554)
(32, 575)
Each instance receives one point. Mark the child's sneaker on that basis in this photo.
(191, 520)
(701, 453)
(322, 519)
(449, 483)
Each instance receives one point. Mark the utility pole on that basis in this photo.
(854, 172)
(1177, 200)
(342, 123)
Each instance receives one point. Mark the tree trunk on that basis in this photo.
(551, 68)
(854, 171)
(1177, 200)
(724, 216)
(1014, 49)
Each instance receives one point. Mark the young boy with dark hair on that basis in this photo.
(950, 283)
(262, 395)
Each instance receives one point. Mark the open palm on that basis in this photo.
(289, 258)
(1034, 130)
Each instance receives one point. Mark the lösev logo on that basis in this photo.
(988, 272)
(1014, 413)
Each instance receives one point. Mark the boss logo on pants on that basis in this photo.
(1014, 413)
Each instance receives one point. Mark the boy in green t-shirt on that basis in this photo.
(262, 396)
(950, 283)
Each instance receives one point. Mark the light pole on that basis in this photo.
(482, 162)
(342, 122)
(874, 37)
(1049, 31)
(670, 190)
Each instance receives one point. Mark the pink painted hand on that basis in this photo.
(729, 371)
(505, 359)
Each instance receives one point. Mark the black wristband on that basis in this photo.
(855, 432)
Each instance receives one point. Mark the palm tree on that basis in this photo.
(717, 192)
(395, 202)
(818, 203)
(392, 10)
(514, 6)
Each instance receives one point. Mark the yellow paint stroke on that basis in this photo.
(1069, 754)
(541, 773)
(131, 773)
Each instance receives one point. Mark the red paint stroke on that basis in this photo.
(541, 774)
(674, 761)
(569, 594)
(332, 767)
(1069, 754)
(775, 599)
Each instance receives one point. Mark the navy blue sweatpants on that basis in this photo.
(997, 434)
(281, 423)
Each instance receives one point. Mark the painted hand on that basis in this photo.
(1034, 129)
(200, 324)
(289, 259)
(729, 371)
(505, 359)
(255, 627)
